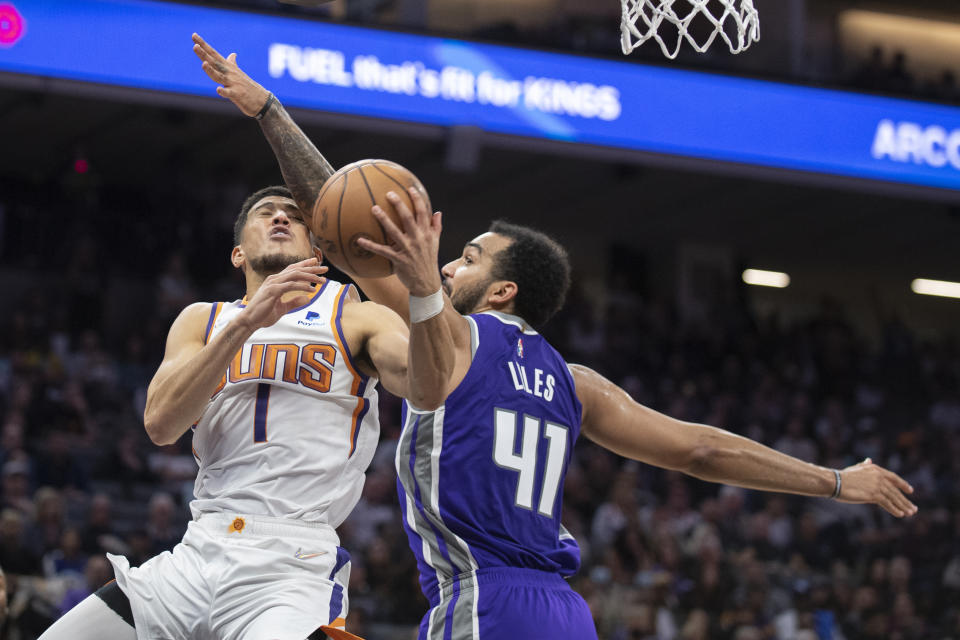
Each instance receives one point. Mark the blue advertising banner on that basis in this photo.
(330, 67)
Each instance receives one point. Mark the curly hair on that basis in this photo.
(539, 266)
(252, 199)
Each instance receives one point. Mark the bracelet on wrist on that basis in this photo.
(266, 106)
(838, 486)
(426, 307)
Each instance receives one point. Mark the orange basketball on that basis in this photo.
(341, 214)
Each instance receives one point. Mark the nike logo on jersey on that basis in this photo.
(300, 555)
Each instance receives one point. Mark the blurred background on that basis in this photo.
(117, 200)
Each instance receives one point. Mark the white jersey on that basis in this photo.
(293, 425)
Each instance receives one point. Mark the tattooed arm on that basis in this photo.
(304, 168)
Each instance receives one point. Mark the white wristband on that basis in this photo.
(422, 309)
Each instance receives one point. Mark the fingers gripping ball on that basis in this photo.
(341, 214)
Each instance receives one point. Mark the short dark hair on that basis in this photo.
(539, 265)
(252, 199)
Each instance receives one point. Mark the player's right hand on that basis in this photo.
(283, 292)
(235, 85)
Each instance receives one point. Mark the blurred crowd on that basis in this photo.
(664, 556)
(888, 72)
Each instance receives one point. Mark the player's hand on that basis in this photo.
(870, 483)
(413, 249)
(235, 85)
(283, 292)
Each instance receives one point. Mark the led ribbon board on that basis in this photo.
(329, 67)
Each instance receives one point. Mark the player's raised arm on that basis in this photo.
(612, 419)
(304, 168)
(191, 370)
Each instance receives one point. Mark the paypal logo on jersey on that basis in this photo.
(312, 319)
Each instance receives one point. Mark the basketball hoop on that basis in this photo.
(734, 21)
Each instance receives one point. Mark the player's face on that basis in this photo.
(467, 279)
(275, 235)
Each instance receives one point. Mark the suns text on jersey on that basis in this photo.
(310, 365)
(542, 386)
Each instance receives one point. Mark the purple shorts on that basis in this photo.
(505, 603)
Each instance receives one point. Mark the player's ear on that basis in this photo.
(502, 293)
(318, 254)
(237, 257)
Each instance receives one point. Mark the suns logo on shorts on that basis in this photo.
(237, 525)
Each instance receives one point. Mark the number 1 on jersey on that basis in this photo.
(505, 435)
(260, 413)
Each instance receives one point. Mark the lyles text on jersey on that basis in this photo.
(542, 386)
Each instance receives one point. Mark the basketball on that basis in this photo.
(341, 214)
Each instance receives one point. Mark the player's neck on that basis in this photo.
(254, 281)
(506, 309)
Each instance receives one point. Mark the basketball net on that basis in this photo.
(642, 20)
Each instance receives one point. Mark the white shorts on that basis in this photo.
(240, 578)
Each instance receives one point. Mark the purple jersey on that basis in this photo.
(481, 478)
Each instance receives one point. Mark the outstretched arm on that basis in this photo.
(304, 168)
(613, 420)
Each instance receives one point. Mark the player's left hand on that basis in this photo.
(236, 85)
(867, 482)
(414, 249)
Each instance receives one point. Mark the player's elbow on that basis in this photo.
(155, 431)
(427, 389)
(155, 434)
(426, 400)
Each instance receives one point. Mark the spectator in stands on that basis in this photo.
(175, 288)
(795, 442)
(96, 573)
(59, 465)
(47, 524)
(139, 547)
(16, 483)
(99, 525)
(374, 509)
(15, 556)
(164, 533)
(899, 78)
(11, 437)
(613, 516)
(67, 562)
(872, 73)
(127, 464)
